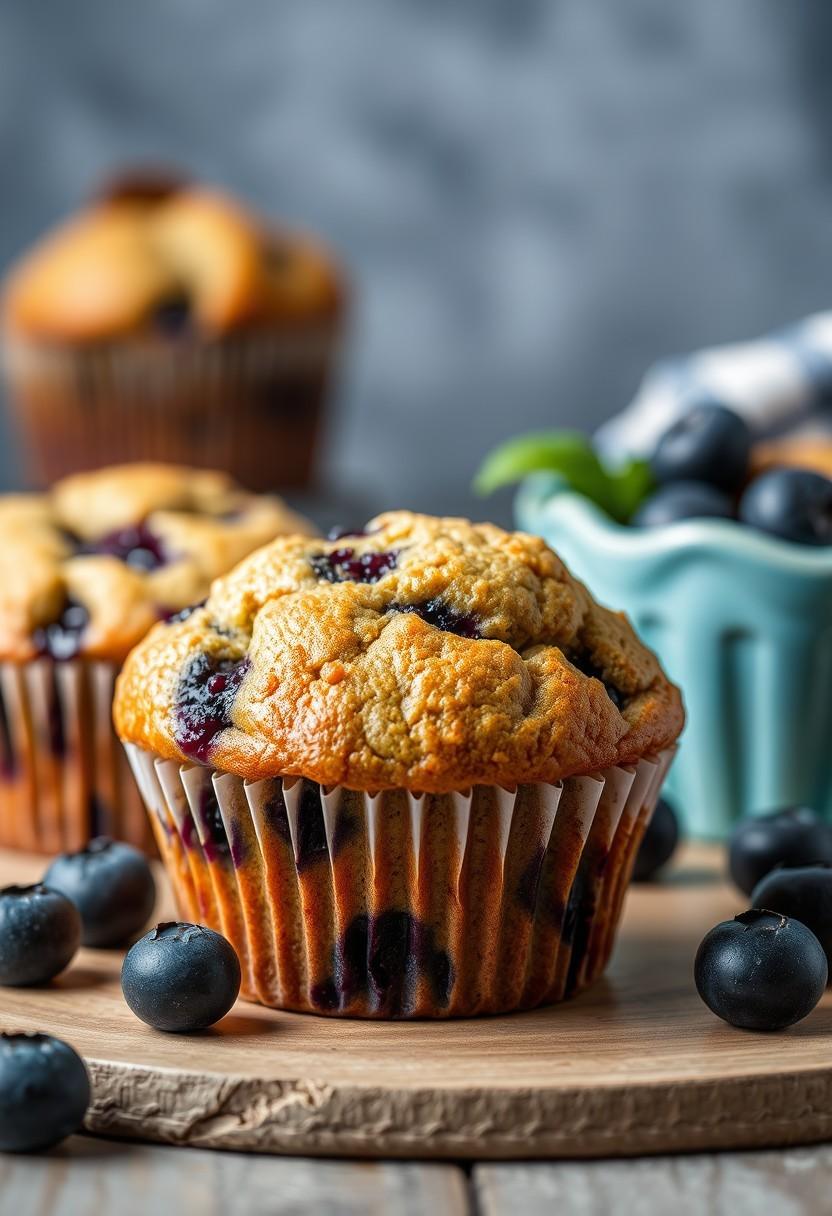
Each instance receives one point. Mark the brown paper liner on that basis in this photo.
(402, 905)
(249, 405)
(63, 774)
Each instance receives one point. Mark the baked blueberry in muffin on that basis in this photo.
(433, 755)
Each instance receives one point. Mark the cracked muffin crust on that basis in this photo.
(421, 653)
(88, 568)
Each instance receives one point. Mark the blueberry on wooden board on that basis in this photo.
(658, 843)
(44, 1092)
(40, 931)
(112, 886)
(794, 836)
(181, 977)
(709, 443)
(761, 970)
(803, 892)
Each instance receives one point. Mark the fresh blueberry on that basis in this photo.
(794, 504)
(112, 886)
(683, 500)
(40, 931)
(760, 971)
(181, 977)
(804, 892)
(794, 836)
(44, 1092)
(658, 843)
(710, 443)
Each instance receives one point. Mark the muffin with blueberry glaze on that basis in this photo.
(85, 572)
(406, 771)
(168, 322)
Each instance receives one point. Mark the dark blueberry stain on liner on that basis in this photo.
(55, 719)
(276, 815)
(346, 829)
(204, 700)
(311, 830)
(188, 833)
(8, 762)
(380, 959)
(529, 881)
(215, 843)
(580, 913)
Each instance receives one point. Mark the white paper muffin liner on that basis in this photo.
(402, 905)
(63, 774)
(249, 404)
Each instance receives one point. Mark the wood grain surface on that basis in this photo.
(793, 1183)
(87, 1175)
(636, 1065)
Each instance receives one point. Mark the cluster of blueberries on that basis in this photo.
(177, 978)
(702, 464)
(768, 967)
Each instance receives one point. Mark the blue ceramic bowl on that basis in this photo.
(742, 622)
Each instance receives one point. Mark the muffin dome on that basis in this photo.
(422, 653)
(163, 261)
(88, 568)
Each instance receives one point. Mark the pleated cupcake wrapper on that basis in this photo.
(403, 905)
(63, 774)
(250, 405)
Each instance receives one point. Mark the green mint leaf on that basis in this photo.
(571, 455)
(632, 483)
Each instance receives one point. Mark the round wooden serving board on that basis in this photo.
(635, 1065)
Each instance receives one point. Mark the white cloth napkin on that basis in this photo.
(780, 382)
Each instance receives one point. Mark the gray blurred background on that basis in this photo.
(535, 198)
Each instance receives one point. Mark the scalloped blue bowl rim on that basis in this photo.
(541, 492)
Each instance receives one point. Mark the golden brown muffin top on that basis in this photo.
(88, 568)
(174, 261)
(423, 653)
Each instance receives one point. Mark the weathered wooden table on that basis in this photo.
(92, 1177)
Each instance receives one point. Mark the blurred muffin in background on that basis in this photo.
(812, 452)
(168, 322)
(85, 572)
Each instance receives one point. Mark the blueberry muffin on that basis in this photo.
(85, 572)
(813, 452)
(406, 771)
(167, 322)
